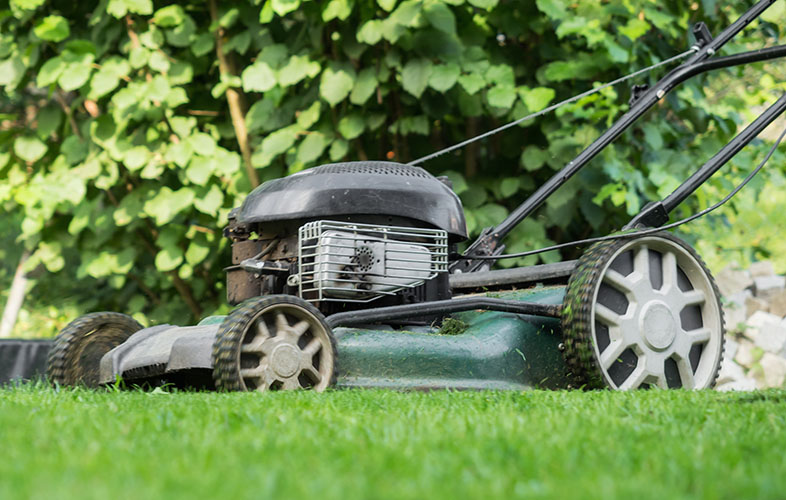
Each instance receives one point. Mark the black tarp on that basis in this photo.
(23, 359)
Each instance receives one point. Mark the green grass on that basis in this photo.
(382, 444)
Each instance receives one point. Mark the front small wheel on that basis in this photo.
(278, 342)
(75, 357)
(642, 312)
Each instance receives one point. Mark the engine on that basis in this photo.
(346, 236)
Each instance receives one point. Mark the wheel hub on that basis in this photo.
(285, 360)
(658, 325)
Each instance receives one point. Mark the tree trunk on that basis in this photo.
(15, 298)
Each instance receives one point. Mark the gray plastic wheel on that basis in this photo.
(643, 312)
(278, 342)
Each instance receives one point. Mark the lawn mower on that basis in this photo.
(348, 275)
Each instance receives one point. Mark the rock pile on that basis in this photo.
(754, 306)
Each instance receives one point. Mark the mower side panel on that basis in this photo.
(160, 350)
(496, 351)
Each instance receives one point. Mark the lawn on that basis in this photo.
(384, 444)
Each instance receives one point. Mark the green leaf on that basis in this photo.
(74, 149)
(166, 204)
(459, 184)
(78, 70)
(129, 209)
(474, 196)
(336, 84)
(296, 69)
(108, 263)
(102, 83)
(210, 202)
(501, 96)
(365, 85)
(311, 147)
(370, 32)
(337, 9)
(258, 77)
(202, 143)
(653, 136)
(183, 34)
(169, 16)
(51, 254)
(387, 5)
(52, 28)
(472, 83)
(198, 249)
(415, 76)
(775, 14)
(29, 148)
(509, 186)
(500, 74)
(538, 98)
(406, 13)
(635, 28)
(179, 153)
(351, 126)
(308, 117)
(278, 142)
(444, 76)
(136, 157)
(338, 149)
(119, 8)
(533, 158)
(555, 9)
(168, 258)
(11, 71)
(50, 72)
(203, 44)
(484, 4)
(200, 169)
(259, 114)
(284, 7)
(441, 17)
(181, 73)
(49, 119)
(266, 14)
(27, 4)
(158, 62)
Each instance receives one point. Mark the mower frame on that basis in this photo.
(469, 273)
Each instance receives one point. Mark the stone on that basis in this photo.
(746, 355)
(734, 312)
(753, 304)
(761, 268)
(774, 368)
(745, 384)
(730, 350)
(730, 372)
(771, 338)
(765, 287)
(760, 319)
(731, 281)
(778, 304)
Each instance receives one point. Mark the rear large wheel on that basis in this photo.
(75, 357)
(642, 312)
(278, 342)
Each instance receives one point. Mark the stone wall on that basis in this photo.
(754, 305)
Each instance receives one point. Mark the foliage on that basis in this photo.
(130, 128)
(384, 444)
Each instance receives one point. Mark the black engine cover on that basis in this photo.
(374, 188)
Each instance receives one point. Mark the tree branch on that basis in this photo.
(235, 98)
